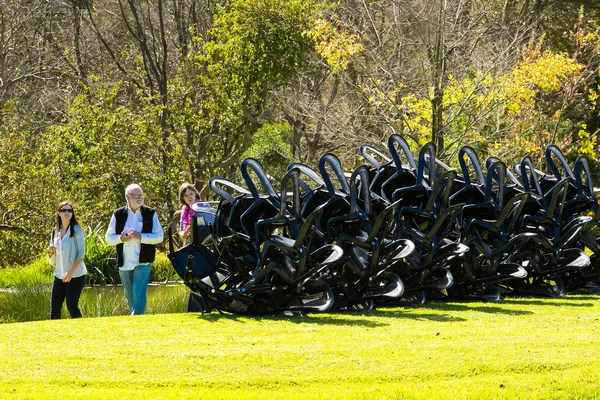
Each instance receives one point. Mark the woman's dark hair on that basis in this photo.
(184, 188)
(72, 222)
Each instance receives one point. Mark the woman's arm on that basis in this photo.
(80, 240)
(80, 243)
(184, 230)
(51, 249)
(70, 273)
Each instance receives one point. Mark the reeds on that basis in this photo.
(30, 301)
(27, 300)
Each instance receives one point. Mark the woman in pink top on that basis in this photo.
(187, 195)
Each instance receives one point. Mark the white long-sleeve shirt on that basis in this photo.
(131, 248)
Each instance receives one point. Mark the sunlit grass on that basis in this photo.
(520, 348)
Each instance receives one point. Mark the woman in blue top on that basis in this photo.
(66, 250)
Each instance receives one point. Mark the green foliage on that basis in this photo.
(271, 147)
(162, 271)
(16, 251)
(558, 14)
(102, 301)
(167, 299)
(100, 258)
(226, 80)
(255, 45)
(89, 158)
(103, 146)
(25, 195)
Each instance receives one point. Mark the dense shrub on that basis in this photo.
(162, 270)
(100, 258)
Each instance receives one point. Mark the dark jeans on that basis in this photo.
(71, 291)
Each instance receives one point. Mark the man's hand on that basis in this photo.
(130, 235)
(125, 236)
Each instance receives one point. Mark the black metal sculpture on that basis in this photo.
(393, 230)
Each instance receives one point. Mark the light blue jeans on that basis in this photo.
(135, 283)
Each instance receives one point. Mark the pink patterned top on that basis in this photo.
(186, 216)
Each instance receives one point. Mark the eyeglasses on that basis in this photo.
(136, 196)
(67, 210)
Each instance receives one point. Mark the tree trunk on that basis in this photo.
(438, 62)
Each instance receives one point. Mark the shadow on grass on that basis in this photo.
(559, 302)
(304, 319)
(577, 296)
(479, 307)
(338, 318)
(399, 313)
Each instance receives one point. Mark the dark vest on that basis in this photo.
(147, 251)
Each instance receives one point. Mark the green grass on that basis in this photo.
(520, 348)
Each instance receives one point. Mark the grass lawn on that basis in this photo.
(520, 348)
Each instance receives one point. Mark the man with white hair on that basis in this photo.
(136, 231)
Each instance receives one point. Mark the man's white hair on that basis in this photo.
(132, 187)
